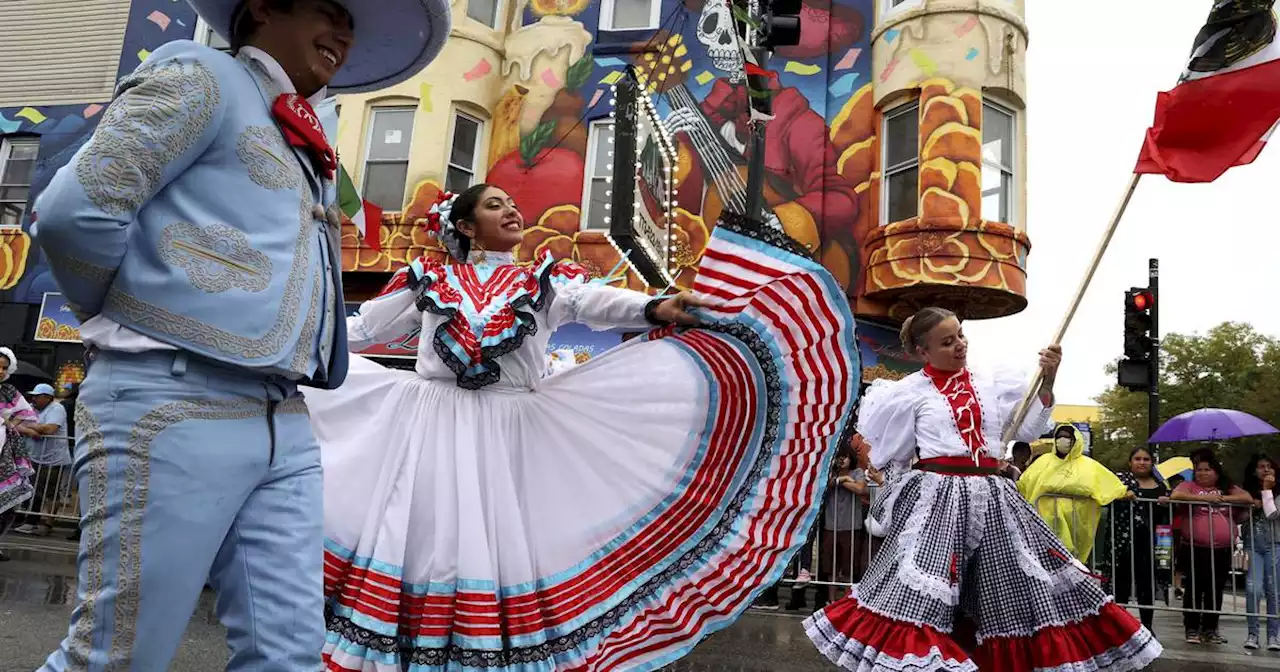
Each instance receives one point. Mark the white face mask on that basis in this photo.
(1063, 444)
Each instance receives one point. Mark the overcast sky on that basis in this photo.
(1093, 70)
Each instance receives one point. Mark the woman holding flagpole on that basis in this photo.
(958, 538)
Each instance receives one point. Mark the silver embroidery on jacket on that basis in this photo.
(270, 162)
(77, 266)
(158, 114)
(306, 340)
(137, 312)
(216, 257)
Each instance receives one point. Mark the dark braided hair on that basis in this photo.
(464, 210)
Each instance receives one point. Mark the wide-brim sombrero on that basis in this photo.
(394, 39)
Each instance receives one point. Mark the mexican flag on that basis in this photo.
(366, 216)
(1227, 102)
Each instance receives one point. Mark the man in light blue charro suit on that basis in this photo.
(197, 237)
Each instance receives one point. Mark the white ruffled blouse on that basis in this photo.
(897, 418)
(489, 322)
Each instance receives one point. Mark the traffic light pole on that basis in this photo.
(1153, 369)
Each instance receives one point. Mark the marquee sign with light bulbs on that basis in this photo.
(642, 180)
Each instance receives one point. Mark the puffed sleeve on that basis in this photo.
(1010, 386)
(576, 299)
(390, 315)
(887, 420)
(163, 118)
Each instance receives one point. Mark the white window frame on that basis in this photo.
(1012, 168)
(477, 157)
(589, 176)
(887, 7)
(203, 32)
(6, 150)
(368, 145)
(912, 107)
(499, 11)
(607, 10)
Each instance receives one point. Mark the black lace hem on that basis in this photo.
(751, 228)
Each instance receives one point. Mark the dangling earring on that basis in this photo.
(478, 255)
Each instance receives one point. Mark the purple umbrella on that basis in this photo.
(1210, 424)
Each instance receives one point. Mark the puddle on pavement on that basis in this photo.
(44, 589)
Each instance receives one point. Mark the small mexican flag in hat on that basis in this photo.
(366, 216)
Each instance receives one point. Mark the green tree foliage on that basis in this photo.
(1232, 366)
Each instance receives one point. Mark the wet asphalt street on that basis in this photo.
(37, 593)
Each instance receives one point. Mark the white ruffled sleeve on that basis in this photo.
(1010, 386)
(599, 306)
(887, 420)
(386, 317)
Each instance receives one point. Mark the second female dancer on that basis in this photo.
(481, 515)
(960, 544)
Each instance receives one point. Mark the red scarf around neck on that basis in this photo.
(301, 128)
(957, 388)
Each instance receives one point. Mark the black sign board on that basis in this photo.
(642, 203)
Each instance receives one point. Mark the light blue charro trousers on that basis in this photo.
(187, 472)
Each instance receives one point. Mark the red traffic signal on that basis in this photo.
(1142, 300)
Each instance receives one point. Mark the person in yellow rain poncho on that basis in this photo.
(1069, 489)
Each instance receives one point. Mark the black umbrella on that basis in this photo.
(28, 376)
(31, 371)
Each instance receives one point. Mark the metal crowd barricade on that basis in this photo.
(839, 548)
(1181, 572)
(56, 499)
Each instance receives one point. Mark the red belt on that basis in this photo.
(958, 465)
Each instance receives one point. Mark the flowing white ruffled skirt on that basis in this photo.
(608, 520)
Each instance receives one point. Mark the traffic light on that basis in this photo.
(1139, 342)
(779, 23)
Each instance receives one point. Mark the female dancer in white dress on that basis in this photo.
(481, 515)
(960, 541)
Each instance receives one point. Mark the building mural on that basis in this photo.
(823, 153)
(536, 78)
(964, 248)
(62, 129)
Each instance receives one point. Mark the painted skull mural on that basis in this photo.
(541, 151)
(716, 33)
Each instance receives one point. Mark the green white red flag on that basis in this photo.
(366, 216)
(1226, 104)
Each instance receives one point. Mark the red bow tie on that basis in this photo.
(301, 128)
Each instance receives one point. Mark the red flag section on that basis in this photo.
(1223, 111)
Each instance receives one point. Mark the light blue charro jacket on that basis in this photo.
(187, 218)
